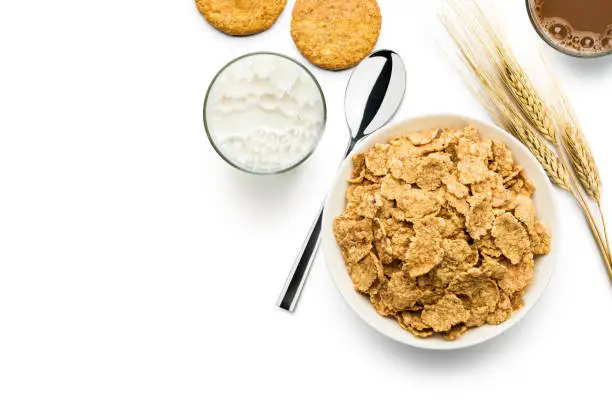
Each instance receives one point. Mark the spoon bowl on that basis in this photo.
(369, 109)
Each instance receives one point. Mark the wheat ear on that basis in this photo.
(487, 89)
(528, 100)
(544, 120)
(577, 148)
(579, 153)
(496, 69)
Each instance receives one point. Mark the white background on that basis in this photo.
(137, 269)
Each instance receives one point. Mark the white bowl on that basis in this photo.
(335, 204)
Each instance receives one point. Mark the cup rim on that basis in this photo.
(209, 132)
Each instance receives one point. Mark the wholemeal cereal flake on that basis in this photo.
(448, 312)
(510, 237)
(365, 272)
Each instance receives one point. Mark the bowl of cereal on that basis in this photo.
(437, 231)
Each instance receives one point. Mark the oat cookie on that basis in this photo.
(241, 17)
(335, 34)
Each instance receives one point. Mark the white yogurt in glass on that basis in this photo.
(264, 113)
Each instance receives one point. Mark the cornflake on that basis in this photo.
(449, 225)
(358, 172)
(382, 242)
(377, 159)
(510, 237)
(478, 316)
(357, 192)
(402, 146)
(540, 239)
(455, 332)
(493, 268)
(524, 211)
(460, 205)
(448, 312)
(400, 241)
(472, 169)
(424, 253)
(502, 312)
(424, 137)
(518, 276)
(459, 253)
(479, 218)
(380, 306)
(477, 286)
(417, 203)
(354, 237)
(493, 187)
(440, 231)
(391, 188)
(405, 167)
(412, 322)
(432, 169)
(365, 272)
(502, 162)
(401, 292)
(454, 186)
(486, 246)
(392, 225)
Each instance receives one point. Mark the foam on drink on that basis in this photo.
(578, 27)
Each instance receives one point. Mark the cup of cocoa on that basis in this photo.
(581, 28)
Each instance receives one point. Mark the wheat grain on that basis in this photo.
(577, 148)
(510, 119)
(582, 161)
(528, 99)
(548, 158)
(509, 70)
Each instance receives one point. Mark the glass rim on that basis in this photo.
(556, 46)
(218, 149)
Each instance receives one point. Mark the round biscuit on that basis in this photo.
(335, 34)
(241, 17)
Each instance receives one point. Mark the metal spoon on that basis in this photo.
(374, 93)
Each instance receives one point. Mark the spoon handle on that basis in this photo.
(371, 120)
(299, 271)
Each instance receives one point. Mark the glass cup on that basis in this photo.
(242, 116)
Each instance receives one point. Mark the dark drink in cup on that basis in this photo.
(576, 27)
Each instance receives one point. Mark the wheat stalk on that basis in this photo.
(577, 148)
(549, 160)
(566, 137)
(528, 100)
(543, 119)
(532, 105)
(579, 153)
(506, 116)
(512, 76)
(570, 139)
(581, 159)
(495, 73)
(487, 89)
